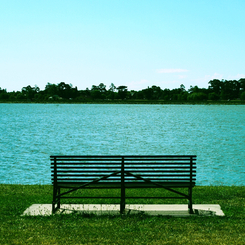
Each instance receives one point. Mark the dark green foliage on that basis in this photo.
(223, 91)
(243, 96)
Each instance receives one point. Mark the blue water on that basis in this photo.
(30, 133)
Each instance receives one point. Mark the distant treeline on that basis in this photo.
(62, 92)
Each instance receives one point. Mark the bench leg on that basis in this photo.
(58, 203)
(122, 208)
(56, 191)
(190, 208)
(54, 198)
(53, 207)
(122, 203)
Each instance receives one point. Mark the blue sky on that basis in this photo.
(130, 42)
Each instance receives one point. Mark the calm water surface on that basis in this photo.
(30, 133)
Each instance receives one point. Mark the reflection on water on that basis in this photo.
(30, 133)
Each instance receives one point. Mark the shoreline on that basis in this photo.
(136, 102)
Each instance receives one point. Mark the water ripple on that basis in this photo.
(30, 133)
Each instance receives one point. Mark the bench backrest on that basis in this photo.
(140, 171)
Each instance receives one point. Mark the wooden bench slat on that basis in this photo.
(120, 156)
(127, 185)
(126, 167)
(126, 163)
(142, 174)
(154, 173)
(118, 180)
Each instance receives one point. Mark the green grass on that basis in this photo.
(133, 229)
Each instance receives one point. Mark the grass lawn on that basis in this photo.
(133, 229)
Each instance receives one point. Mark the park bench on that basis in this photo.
(170, 172)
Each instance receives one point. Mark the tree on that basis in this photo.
(61, 90)
(102, 87)
(242, 84)
(243, 96)
(112, 87)
(3, 94)
(166, 94)
(111, 92)
(94, 88)
(194, 89)
(182, 87)
(213, 96)
(98, 92)
(180, 93)
(147, 93)
(242, 88)
(215, 86)
(67, 91)
(51, 90)
(156, 92)
(29, 92)
(122, 92)
(197, 96)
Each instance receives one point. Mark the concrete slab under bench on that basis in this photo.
(179, 210)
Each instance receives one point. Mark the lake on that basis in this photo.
(30, 133)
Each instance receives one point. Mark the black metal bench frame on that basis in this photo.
(122, 172)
